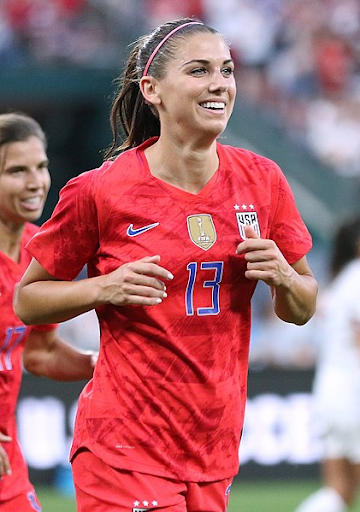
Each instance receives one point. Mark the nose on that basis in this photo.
(35, 179)
(218, 82)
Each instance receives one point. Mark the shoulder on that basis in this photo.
(88, 177)
(84, 186)
(29, 231)
(240, 158)
(111, 171)
(130, 161)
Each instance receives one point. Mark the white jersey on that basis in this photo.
(337, 378)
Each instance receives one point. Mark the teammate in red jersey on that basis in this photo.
(24, 184)
(176, 230)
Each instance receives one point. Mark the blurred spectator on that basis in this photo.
(334, 62)
(160, 11)
(333, 133)
(299, 60)
(336, 387)
(72, 32)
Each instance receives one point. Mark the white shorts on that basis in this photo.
(342, 445)
(337, 413)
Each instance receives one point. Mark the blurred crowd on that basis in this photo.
(300, 63)
(297, 60)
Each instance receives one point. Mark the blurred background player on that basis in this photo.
(337, 377)
(24, 185)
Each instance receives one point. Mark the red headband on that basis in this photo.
(151, 58)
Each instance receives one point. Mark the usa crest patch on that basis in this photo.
(247, 219)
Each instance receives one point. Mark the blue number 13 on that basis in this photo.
(217, 266)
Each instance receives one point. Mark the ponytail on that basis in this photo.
(130, 115)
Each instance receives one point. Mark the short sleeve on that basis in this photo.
(70, 237)
(45, 327)
(288, 229)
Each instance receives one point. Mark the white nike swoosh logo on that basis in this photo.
(134, 232)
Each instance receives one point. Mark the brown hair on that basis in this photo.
(346, 244)
(129, 112)
(17, 127)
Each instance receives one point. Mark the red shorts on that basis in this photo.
(101, 488)
(26, 502)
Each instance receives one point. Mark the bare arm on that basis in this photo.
(295, 299)
(46, 355)
(41, 299)
(357, 335)
(293, 287)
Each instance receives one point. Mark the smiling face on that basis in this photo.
(196, 96)
(24, 181)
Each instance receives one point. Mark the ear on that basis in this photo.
(148, 88)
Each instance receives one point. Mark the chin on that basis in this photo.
(31, 216)
(216, 131)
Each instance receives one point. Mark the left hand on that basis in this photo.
(5, 468)
(264, 259)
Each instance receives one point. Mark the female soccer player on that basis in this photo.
(24, 184)
(176, 229)
(337, 377)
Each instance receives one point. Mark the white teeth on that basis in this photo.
(214, 104)
(32, 200)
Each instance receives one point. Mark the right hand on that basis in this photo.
(5, 468)
(138, 282)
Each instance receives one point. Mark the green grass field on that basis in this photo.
(245, 497)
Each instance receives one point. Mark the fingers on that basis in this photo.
(151, 259)
(257, 273)
(250, 243)
(140, 282)
(264, 260)
(253, 249)
(250, 232)
(4, 438)
(5, 468)
(149, 267)
(146, 279)
(143, 290)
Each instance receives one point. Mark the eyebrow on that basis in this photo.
(204, 61)
(25, 166)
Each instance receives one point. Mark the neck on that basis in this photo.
(10, 239)
(186, 167)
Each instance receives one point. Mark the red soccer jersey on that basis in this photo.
(169, 390)
(13, 334)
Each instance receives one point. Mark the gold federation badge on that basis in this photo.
(202, 230)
